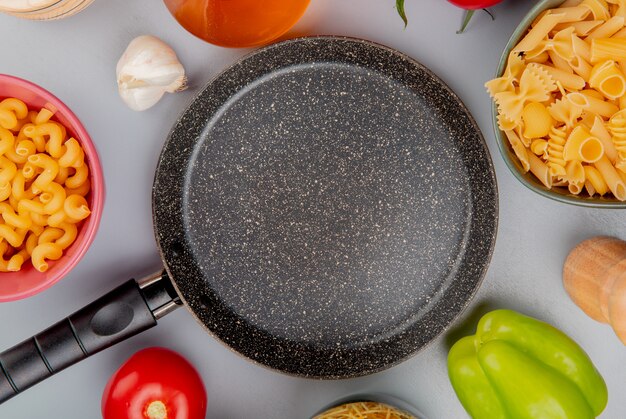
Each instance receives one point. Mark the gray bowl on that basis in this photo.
(511, 160)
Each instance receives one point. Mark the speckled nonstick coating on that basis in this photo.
(326, 207)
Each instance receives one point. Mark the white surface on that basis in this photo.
(75, 59)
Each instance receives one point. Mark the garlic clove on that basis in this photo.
(142, 97)
(147, 69)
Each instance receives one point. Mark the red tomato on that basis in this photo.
(155, 383)
(474, 4)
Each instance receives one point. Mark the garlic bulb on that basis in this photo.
(147, 69)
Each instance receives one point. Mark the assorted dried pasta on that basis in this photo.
(562, 98)
(364, 410)
(44, 180)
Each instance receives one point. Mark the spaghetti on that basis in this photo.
(364, 410)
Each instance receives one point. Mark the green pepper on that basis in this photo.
(517, 367)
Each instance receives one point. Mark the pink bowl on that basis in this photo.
(28, 281)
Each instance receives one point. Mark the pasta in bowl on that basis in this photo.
(559, 109)
(51, 189)
(373, 406)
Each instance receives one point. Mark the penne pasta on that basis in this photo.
(613, 180)
(540, 170)
(599, 106)
(571, 14)
(594, 177)
(607, 29)
(560, 63)
(581, 67)
(525, 140)
(575, 188)
(539, 31)
(589, 188)
(519, 149)
(539, 58)
(607, 49)
(581, 28)
(587, 119)
(620, 34)
(599, 131)
(581, 48)
(619, 6)
(570, 3)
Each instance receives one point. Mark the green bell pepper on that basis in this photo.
(519, 367)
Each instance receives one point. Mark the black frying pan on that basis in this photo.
(326, 207)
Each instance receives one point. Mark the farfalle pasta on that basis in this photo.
(561, 45)
(43, 184)
(561, 98)
(535, 85)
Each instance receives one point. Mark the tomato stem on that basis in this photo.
(466, 19)
(156, 410)
(400, 8)
(468, 16)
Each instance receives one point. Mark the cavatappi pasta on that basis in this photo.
(364, 410)
(43, 183)
(562, 98)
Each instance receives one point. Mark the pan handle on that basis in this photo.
(127, 310)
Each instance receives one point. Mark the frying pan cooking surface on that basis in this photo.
(326, 207)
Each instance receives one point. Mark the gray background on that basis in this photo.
(75, 59)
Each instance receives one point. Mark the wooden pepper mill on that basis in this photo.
(594, 276)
